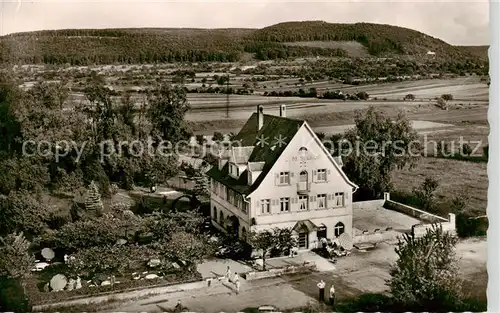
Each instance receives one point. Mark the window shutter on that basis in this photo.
(313, 176)
(329, 197)
(314, 198)
(328, 175)
(257, 204)
(295, 200)
(311, 199)
(276, 179)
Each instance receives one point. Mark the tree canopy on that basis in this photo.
(376, 146)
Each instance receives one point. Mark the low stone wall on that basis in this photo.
(420, 229)
(377, 236)
(123, 295)
(370, 204)
(428, 220)
(424, 216)
(292, 269)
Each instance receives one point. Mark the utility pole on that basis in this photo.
(227, 96)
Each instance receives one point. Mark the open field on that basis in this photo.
(353, 48)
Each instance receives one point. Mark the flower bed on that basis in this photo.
(39, 297)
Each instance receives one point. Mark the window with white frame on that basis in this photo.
(338, 199)
(339, 229)
(321, 201)
(303, 202)
(265, 206)
(284, 204)
(321, 175)
(284, 178)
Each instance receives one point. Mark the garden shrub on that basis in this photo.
(12, 296)
(469, 226)
(59, 218)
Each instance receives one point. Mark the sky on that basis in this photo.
(456, 22)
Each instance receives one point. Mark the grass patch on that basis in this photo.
(455, 178)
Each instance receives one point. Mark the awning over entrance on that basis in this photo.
(305, 224)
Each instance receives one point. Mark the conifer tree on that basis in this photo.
(201, 186)
(93, 200)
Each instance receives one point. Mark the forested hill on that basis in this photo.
(291, 39)
(377, 38)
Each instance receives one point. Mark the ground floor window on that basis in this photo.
(321, 231)
(339, 229)
(221, 219)
(215, 214)
(303, 240)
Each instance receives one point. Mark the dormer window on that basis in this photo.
(234, 170)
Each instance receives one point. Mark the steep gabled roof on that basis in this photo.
(240, 155)
(264, 150)
(255, 166)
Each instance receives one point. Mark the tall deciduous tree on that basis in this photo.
(101, 112)
(187, 247)
(20, 211)
(267, 240)
(167, 107)
(379, 146)
(425, 277)
(10, 127)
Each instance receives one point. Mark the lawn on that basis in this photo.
(456, 178)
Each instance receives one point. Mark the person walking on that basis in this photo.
(228, 274)
(321, 286)
(332, 295)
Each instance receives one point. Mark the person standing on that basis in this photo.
(321, 286)
(237, 283)
(178, 306)
(332, 295)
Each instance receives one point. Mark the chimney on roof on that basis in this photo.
(260, 119)
(283, 110)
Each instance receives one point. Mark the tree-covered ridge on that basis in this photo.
(161, 45)
(378, 38)
(480, 51)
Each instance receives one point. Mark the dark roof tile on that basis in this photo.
(266, 148)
